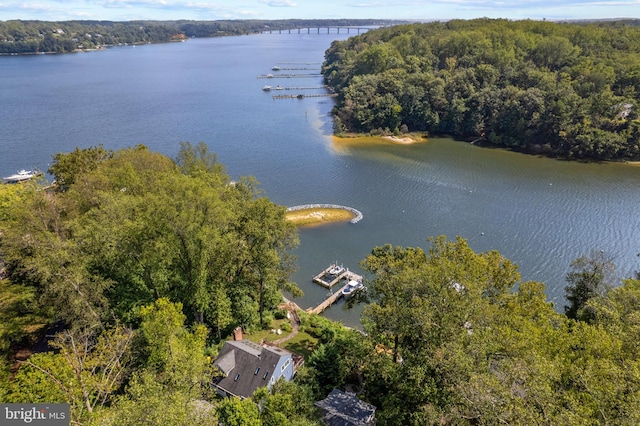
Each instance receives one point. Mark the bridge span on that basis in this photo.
(318, 30)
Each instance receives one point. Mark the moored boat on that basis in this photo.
(351, 287)
(21, 176)
(336, 270)
(266, 88)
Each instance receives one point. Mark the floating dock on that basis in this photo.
(333, 274)
(330, 276)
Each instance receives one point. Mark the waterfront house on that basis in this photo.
(245, 366)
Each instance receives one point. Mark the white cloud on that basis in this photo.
(279, 3)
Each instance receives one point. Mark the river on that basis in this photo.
(538, 212)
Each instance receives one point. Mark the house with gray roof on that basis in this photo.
(245, 366)
(345, 409)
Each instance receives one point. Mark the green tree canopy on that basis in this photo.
(137, 227)
(564, 89)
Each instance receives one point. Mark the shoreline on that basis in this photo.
(347, 139)
(362, 138)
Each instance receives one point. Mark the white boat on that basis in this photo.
(351, 287)
(21, 176)
(336, 270)
(278, 87)
(266, 88)
(275, 68)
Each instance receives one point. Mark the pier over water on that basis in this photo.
(329, 277)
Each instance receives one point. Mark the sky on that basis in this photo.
(126, 10)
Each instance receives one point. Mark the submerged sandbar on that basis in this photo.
(320, 214)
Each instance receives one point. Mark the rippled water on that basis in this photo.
(538, 212)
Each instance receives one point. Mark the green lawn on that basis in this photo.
(303, 343)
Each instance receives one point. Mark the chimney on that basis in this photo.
(237, 333)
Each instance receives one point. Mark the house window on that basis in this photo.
(257, 371)
(265, 375)
(285, 365)
(237, 377)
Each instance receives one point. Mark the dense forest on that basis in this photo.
(25, 37)
(569, 90)
(141, 266)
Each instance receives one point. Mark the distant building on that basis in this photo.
(246, 366)
(345, 409)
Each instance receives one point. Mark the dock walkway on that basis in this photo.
(302, 96)
(333, 298)
(290, 76)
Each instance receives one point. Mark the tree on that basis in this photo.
(617, 311)
(171, 383)
(147, 401)
(236, 412)
(263, 264)
(46, 377)
(287, 403)
(194, 159)
(66, 168)
(40, 252)
(542, 81)
(175, 355)
(89, 367)
(589, 277)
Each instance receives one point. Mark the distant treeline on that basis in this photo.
(25, 37)
(563, 89)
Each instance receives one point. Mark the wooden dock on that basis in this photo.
(330, 300)
(290, 76)
(328, 279)
(277, 68)
(304, 88)
(302, 96)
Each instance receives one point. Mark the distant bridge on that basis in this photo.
(317, 30)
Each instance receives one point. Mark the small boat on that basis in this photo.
(336, 270)
(21, 176)
(278, 87)
(266, 88)
(351, 287)
(275, 68)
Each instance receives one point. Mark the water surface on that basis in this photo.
(540, 213)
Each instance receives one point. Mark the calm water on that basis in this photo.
(540, 213)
